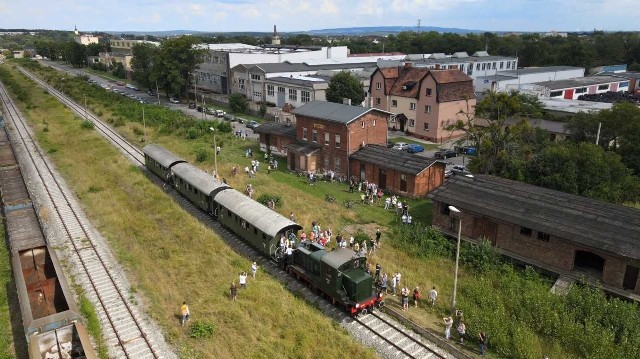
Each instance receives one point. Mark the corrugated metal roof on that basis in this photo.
(582, 220)
(336, 258)
(266, 220)
(579, 82)
(165, 157)
(197, 178)
(335, 112)
(393, 159)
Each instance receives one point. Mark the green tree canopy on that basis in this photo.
(174, 63)
(345, 85)
(142, 63)
(238, 103)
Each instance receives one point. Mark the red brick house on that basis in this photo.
(560, 232)
(397, 171)
(328, 133)
(425, 100)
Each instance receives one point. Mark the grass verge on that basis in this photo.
(6, 284)
(93, 324)
(171, 257)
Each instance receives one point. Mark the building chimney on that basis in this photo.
(437, 66)
(407, 65)
(346, 101)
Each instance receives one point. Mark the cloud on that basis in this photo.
(370, 7)
(328, 7)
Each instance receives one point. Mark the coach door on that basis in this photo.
(484, 228)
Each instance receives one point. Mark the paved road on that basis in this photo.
(102, 81)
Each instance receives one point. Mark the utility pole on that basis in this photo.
(144, 126)
(598, 135)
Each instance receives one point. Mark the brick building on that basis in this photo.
(425, 100)
(328, 133)
(275, 137)
(560, 232)
(397, 171)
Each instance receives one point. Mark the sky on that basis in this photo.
(302, 15)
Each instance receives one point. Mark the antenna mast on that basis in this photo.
(418, 26)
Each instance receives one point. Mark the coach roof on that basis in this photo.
(198, 178)
(163, 156)
(267, 221)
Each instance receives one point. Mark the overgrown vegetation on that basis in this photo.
(158, 233)
(201, 330)
(523, 318)
(93, 324)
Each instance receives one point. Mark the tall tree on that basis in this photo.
(345, 85)
(142, 63)
(175, 62)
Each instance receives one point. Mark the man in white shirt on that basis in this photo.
(432, 296)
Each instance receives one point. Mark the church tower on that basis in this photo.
(275, 40)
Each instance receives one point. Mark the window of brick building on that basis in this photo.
(412, 122)
(426, 126)
(525, 231)
(377, 100)
(378, 85)
(314, 136)
(412, 106)
(427, 108)
(337, 141)
(429, 91)
(326, 138)
(304, 134)
(543, 236)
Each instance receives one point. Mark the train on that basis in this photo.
(52, 324)
(341, 275)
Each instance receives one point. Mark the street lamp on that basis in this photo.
(455, 275)
(215, 153)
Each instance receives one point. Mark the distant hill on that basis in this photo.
(385, 30)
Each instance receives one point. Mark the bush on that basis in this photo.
(480, 257)
(87, 125)
(264, 199)
(224, 127)
(192, 133)
(329, 198)
(361, 237)
(424, 242)
(202, 154)
(238, 103)
(349, 204)
(201, 330)
(263, 110)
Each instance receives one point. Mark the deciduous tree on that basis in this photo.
(345, 85)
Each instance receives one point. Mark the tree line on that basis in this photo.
(608, 170)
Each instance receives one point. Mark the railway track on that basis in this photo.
(406, 343)
(114, 137)
(125, 333)
(391, 341)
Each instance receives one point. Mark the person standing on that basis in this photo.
(462, 330)
(254, 269)
(233, 290)
(184, 310)
(292, 218)
(416, 296)
(378, 235)
(394, 283)
(433, 295)
(383, 284)
(405, 298)
(243, 280)
(482, 341)
(448, 323)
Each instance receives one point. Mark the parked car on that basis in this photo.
(444, 154)
(151, 93)
(219, 113)
(174, 100)
(252, 124)
(192, 105)
(120, 83)
(199, 108)
(210, 111)
(414, 148)
(229, 117)
(401, 146)
(460, 170)
(132, 87)
(448, 173)
(240, 120)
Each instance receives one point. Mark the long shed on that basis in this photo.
(555, 230)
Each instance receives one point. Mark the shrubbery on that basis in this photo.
(264, 199)
(522, 318)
